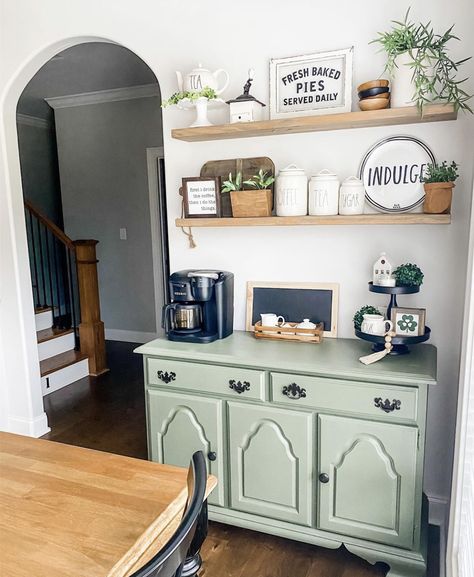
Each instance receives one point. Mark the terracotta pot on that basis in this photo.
(438, 196)
(248, 203)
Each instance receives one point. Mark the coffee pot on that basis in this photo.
(200, 78)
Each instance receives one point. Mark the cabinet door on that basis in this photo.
(368, 490)
(270, 462)
(180, 424)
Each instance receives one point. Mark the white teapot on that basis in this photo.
(199, 78)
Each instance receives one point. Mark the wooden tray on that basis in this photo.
(290, 333)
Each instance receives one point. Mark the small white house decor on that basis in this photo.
(246, 108)
(382, 272)
(319, 83)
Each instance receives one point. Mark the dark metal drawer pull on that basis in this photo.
(294, 391)
(212, 456)
(166, 377)
(386, 405)
(324, 478)
(238, 386)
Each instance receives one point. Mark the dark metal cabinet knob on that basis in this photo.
(212, 456)
(387, 406)
(324, 478)
(238, 386)
(294, 391)
(166, 377)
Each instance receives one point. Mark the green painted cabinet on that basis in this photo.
(270, 458)
(367, 479)
(179, 425)
(306, 442)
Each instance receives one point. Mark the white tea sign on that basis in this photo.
(201, 197)
(318, 83)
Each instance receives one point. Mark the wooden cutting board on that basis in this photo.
(248, 167)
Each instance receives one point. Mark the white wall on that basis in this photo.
(175, 35)
(104, 187)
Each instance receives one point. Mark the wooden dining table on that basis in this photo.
(67, 511)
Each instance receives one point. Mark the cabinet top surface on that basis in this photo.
(336, 358)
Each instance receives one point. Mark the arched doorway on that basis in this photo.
(29, 401)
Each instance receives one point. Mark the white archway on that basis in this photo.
(21, 402)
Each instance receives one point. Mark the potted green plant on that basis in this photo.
(177, 97)
(438, 182)
(250, 203)
(359, 315)
(408, 275)
(420, 66)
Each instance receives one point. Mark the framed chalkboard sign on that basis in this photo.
(317, 302)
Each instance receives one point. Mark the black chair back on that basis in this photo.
(169, 561)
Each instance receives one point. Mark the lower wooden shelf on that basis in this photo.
(407, 218)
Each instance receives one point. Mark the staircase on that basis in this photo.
(60, 363)
(70, 333)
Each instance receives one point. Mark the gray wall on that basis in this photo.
(104, 185)
(39, 169)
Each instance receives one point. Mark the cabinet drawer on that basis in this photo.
(232, 381)
(368, 399)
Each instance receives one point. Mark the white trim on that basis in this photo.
(36, 427)
(34, 121)
(129, 336)
(152, 157)
(102, 96)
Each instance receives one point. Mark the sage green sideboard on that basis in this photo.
(306, 442)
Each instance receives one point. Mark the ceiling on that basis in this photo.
(83, 68)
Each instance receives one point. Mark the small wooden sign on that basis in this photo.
(318, 83)
(201, 197)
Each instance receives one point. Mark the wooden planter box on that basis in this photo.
(248, 203)
(289, 333)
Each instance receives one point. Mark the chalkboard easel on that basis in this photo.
(295, 302)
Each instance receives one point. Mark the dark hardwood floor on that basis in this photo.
(108, 413)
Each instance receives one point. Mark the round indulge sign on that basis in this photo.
(392, 172)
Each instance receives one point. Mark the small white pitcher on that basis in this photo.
(375, 325)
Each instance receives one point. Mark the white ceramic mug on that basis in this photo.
(375, 325)
(271, 320)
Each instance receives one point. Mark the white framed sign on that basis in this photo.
(392, 172)
(319, 83)
(201, 197)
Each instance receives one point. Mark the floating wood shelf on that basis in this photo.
(408, 218)
(359, 119)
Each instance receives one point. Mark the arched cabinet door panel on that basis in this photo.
(180, 424)
(270, 462)
(368, 475)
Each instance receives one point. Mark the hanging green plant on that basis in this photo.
(434, 72)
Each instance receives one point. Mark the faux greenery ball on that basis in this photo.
(408, 275)
(359, 316)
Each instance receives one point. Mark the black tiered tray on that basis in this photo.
(393, 291)
(400, 344)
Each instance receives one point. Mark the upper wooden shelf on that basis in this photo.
(358, 119)
(405, 218)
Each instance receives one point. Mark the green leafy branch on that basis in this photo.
(260, 181)
(441, 172)
(175, 98)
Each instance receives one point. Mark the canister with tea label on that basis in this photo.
(352, 196)
(324, 193)
(291, 192)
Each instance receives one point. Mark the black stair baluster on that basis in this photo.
(57, 320)
(69, 256)
(35, 263)
(67, 290)
(31, 252)
(41, 262)
(50, 267)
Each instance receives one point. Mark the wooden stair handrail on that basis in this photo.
(49, 224)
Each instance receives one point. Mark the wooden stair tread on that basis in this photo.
(39, 310)
(60, 361)
(51, 333)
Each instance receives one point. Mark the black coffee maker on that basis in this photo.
(201, 308)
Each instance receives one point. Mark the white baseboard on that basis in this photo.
(129, 336)
(438, 515)
(30, 427)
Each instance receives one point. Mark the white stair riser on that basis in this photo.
(64, 377)
(44, 320)
(56, 346)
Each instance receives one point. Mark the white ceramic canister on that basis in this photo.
(352, 196)
(291, 192)
(324, 193)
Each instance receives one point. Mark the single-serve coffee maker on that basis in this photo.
(201, 308)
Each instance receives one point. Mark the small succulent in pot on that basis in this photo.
(408, 275)
(438, 182)
(359, 315)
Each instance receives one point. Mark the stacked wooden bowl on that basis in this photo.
(374, 95)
